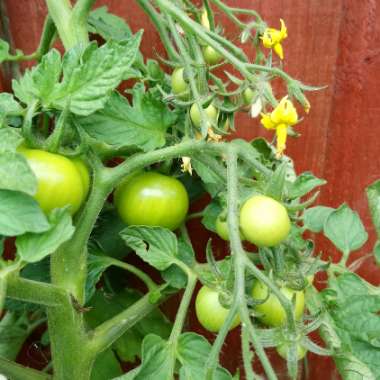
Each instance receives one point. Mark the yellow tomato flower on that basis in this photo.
(272, 38)
(186, 165)
(283, 116)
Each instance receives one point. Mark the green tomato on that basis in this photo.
(221, 227)
(271, 311)
(84, 175)
(152, 199)
(264, 221)
(179, 86)
(283, 350)
(211, 56)
(60, 180)
(211, 114)
(248, 96)
(210, 313)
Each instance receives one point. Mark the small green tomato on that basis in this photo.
(195, 115)
(271, 312)
(210, 313)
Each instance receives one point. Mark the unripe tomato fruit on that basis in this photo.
(248, 95)
(221, 227)
(61, 181)
(271, 311)
(210, 313)
(211, 114)
(179, 86)
(211, 56)
(152, 199)
(264, 221)
(283, 350)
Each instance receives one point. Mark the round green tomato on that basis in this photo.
(271, 312)
(210, 313)
(179, 86)
(195, 115)
(283, 350)
(59, 181)
(248, 96)
(264, 221)
(152, 199)
(221, 227)
(211, 56)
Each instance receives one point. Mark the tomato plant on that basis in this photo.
(210, 313)
(151, 153)
(152, 199)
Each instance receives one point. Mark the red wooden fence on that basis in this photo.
(331, 42)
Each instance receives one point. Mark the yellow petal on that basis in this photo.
(267, 122)
(281, 134)
(186, 165)
(279, 50)
(284, 30)
(285, 113)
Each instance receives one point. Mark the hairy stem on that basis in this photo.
(33, 291)
(18, 372)
(240, 258)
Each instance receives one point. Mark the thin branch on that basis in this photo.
(34, 291)
(105, 334)
(18, 372)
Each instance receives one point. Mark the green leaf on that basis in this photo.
(355, 311)
(4, 51)
(210, 214)
(304, 183)
(373, 197)
(14, 330)
(39, 82)
(275, 185)
(106, 234)
(345, 229)
(143, 124)
(96, 265)
(16, 174)
(20, 213)
(33, 247)
(212, 181)
(90, 78)
(193, 351)
(157, 359)
(314, 218)
(9, 106)
(106, 366)
(174, 275)
(156, 245)
(10, 139)
(108, 25)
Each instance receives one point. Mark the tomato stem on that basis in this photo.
(18, 372)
